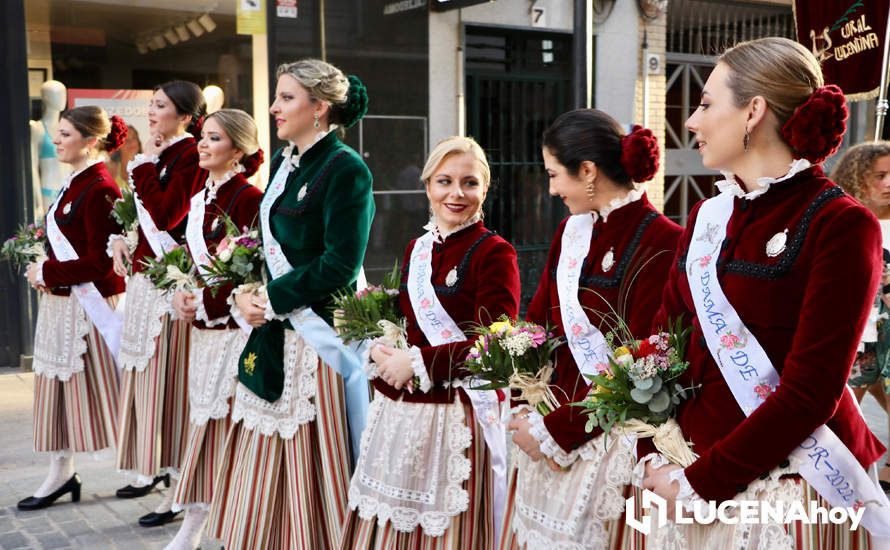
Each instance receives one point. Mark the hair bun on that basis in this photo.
(251, 163)
(356, 104)
(639, 154)
(196, 126)
(118, 134)
(816, 128)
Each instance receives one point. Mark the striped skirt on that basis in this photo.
(153, 415)
(473, 528)
(768, 536)
(78, 414)
(286, 493)
(201, 464)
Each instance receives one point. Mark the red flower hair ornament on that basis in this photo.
(639, 154)
(118, 134)
(251, 163)
(816, 128)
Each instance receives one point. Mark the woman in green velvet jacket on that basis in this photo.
(285, 470)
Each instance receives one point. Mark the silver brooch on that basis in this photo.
(451, 278)
(163, 172)
(67, 208)
(608, 259)
(776, 244)
(301, 194)
(214, 224)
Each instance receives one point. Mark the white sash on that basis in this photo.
(312, 328)
(586, 342)
(160, 241)
(194, 235)
(823, 459)
(439, 328)
(97, 309)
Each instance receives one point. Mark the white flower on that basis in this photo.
(625, 360)
(254, 234)
(132, 239)
(518, 343)
(225, 255)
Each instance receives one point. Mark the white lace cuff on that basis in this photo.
(420, 369)
(109, 246)
(549, 446)
(657, 459)
(39, 275)
(233, 307)
(687, 494)
(201, 312)
(141, 159)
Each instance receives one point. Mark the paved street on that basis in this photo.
(100, 520)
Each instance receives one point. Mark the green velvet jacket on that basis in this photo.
(322, 221)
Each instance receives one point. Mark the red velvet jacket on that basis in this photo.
(807, 307)
(642, 242)
(167, 197)
(87, 226)
(487, 287)
(241, 201)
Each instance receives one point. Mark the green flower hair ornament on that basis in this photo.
(356, 104)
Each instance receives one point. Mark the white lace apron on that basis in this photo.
(143, 321)
(60, 337)
(822, 458)
(213, 371)
(421, 482)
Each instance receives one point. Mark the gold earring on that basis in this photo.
(316, 120)
(746, 140)
(591, 190)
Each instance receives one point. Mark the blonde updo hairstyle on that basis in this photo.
(780, 70)
(854, 169)
(324, 82)
(90, 121)
(240, 127)
(456, 145)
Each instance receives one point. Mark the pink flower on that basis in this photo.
(602, 368)
(763, 390)
(425, 303)
(704, 261)
(538, 337)
(577, 329)
(223, 245)
(446, 333)
(423, 256)
(572, 263)
(729, 340)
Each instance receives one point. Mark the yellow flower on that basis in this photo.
(250, 363)
(621, 351)
(500, 326)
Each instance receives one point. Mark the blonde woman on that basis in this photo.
(284, 472)
(432, 473)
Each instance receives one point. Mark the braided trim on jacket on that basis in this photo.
(66, 219)
(320, 182)
(462, 268)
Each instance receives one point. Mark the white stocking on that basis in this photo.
(165, 504)
(189, 535)
(61, 468)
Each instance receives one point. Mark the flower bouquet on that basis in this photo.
(123, 211)
(238, 260)
(637, 391)
(27, 245)
(173, 271)
(515, 354)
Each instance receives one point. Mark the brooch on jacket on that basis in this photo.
(776, 244)
(67, 208)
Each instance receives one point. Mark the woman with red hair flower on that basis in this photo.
(607, 266)
(783, 259)
(78, 332)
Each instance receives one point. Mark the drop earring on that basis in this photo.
(591, 191)
(746, 140)
(317, 125)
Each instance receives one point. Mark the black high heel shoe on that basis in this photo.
(36, 503)
(135, 492)
(154, 519)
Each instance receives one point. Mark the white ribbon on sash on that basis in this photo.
(107, 320)
(194, 235)
(822, 458)
(160, 241)
(312, 328)
(439, 328)
(585, 341)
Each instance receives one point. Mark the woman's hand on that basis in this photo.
(120, 257)
(657, 481)
(183, 303)
(523, 438)
(154, 145)
(32, 277)
(393, 365)
(252, 309)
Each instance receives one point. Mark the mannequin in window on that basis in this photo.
(46, 169)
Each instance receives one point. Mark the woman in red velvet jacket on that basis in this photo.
(154, 347)
(565, 473)
(77, 334)
(427, 476)
(229, 153)
(799, 261)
